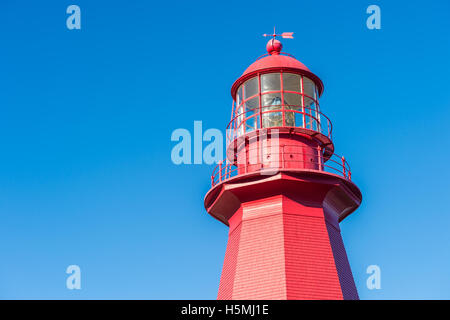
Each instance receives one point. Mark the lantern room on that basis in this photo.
(276, 91)
(284, 98)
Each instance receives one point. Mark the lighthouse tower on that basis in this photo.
(282, 190)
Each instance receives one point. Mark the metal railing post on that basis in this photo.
(343, 167)
(319, 158)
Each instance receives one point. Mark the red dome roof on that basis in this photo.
(276, 61)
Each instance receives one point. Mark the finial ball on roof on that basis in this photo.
(274, 46)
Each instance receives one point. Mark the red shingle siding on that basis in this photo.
(260, 271)
(279, 248)
(342, 265)
(310, 269)
(229, 265)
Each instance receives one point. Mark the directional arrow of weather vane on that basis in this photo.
(284, 35)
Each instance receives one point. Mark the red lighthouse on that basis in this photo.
(282, 190)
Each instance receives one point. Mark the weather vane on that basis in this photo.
(284, 35)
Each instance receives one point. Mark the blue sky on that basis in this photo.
(86, 118)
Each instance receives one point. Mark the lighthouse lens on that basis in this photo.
(293, 102)
(272, 103)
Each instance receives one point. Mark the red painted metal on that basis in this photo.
(274, 47)
(335, 165)
(280, 62)
(282, 191)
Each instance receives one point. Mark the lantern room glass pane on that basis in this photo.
(291, 82)
(292, 99)
(239, 96)
(251, 87)
(270, 82)
(252, 105)
(251, 113)
(311, 115)
(308, 87)
(251, 124)
(309, 102)
(239, 122)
